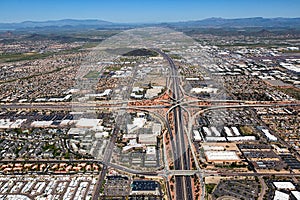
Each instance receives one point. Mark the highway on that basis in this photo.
(181, 152)
(117, 105)
(106, 159)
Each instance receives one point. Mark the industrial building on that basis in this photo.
(281, 196)
(221, 156)
(270, 136)
(285, 185)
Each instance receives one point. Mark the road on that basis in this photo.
(181, 152)
(106, 159)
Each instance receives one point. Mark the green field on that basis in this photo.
(20, 57)
(92, 74)
(293, 92)
(209, 188)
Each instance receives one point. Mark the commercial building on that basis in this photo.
(281, 196)
(204, 90)
(270, 136)
(221, 156)
(148, 139)
(153, 92)
(87, 123)
(285, 185)
(295, 195)
(197, 137)
(241, 138)
(6, 123)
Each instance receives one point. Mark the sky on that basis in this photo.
(144, 10)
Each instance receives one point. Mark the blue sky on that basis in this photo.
(144, 10)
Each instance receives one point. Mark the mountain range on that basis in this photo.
(56, 23)
(205, 23)
(241, 22)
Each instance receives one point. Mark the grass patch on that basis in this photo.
(141, 52)
(293, 92)
(209, 188)
(92, 74)
(22, 56)
(291, 51)
(175, 56)
(114, 68)
(90, 45)
(15, 57)
(247, 130)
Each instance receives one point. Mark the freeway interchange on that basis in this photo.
(181, 152)
(179, 129)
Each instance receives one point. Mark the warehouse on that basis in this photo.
(241, 138)
(197, 137)
(281, 196)
(221, 156)
(269, 135)
(286, 185)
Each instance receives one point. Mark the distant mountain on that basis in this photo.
(240, 22)
(205, 23)
(56, 23)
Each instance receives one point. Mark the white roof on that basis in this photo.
(150, 150)
(131, 146)
(40, 99)
(139, 121)
(269, 135)
(6, 123)
(221, 155)
(205, 89)
(284, 185)
(228, 131)
(215, 130)
(136, 89)
(214, 139)
(207, 131)
(56, 99)
(129, 136)
(281, 196)
(76, 131)
(41, 123)
(65, 122)
(147, 138)
(192, 79)
(290, 67)
(296, 194)
(156, 128)
(212, 148)
(197, 136)
(133, 95)
(150, 93)
(14, 196)
(235, 131)
(87, 123)
(241, 138)
(72, 91)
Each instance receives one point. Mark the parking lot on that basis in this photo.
(241, 189)
(291, 161)
(117, 186)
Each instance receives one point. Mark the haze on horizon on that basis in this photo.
(134, 11)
